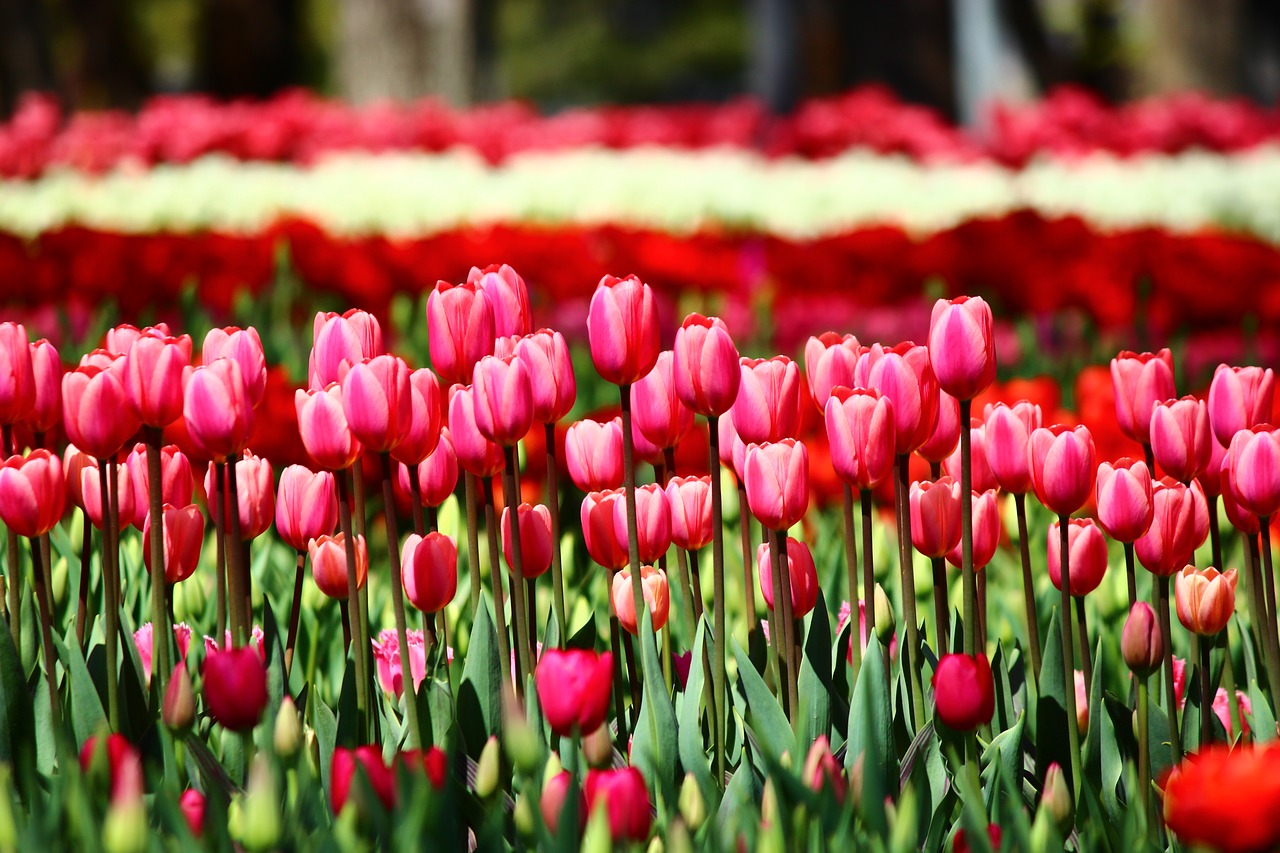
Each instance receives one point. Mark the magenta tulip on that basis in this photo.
(653, 522)
(255, 492)
(1008, 431)
(460, 325)
(378, 400)
(690, 501)
(508, 296)
(801, 573)
(183, 538)
(658, 413)
(1180, 437)
(502, 395)
(962, 347)
(340, 341)
(420, 437)
(980, 467)
(1179, 524)
(32, 493)
(733, 452)
(1253, 461)
(217, 409)
(46, 369)
(90, 490)
(935, 516)
(322, 424)
(1123, 499)
(964, 691)
(535, 539)
(1062, 466)
(176, 483)
(829, 361)
(554, 387)
(706, 365)
(776, 476)
(243, 346)
(1241, 519)
(622, 328)
(429, 569)
(96, 412)
(154, 370)
(904, 376)
(1087, 549)
(860, 432)
(475, 453)
(438, 473)
(17, 375)
(1140, 381)
(1239, 398)
(593, 454)
(329, 565)
(768, 404)
(624, 797)
(235, 687)
(987, 530)
(574, 688)
(946, 432)
(306, 506)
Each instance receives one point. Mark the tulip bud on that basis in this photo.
(502, 397)
(678, 840)
(1056, 798)
(945, 437)
(885, 625)
(706, 365)
(1141, 642)
(657, 596)
(1180, 438)
(523, 745)
(1123, 497)
(245, 347)
(460, 322)
(18, 391)
(593, 454)
(125, 828)
(622, 329)
(329, 567)
(962, 346)
(767, 408)
(254, 817)
(192, 804)
(1179, 524)
(801, 572)
(596, 837)
(235, 687)
(555, 791)
(306, 506)
(323, 427)
(179, 708)
(964, 691)
(1086, 552)
(1239, 399)
(535, 539)
(597, 747)
(32, 493)
(1140, 381)
(217, 409)
(488, 768)
(821, 770)
(1063, 471)
(623, 796)
(8, 825)
(776, 477)
(555, 390)
(574, 688)
(287, 734)
(522, 817)
(860, 432)
(429, 570)
(935, 516)
(656, 845)
(1206, 599)
(693, 806)
(1008, 430)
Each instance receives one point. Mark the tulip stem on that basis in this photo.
(505, 652)
(851, 562)
(1028, 585)
(110, 582)
(1215, 535)
(868, 570)
(220, 562)
(691, 614)
(160, 632)
(415, 501)
(553, 506)
(1258, 613)
(295, 612)
(788, 621)
(1086, 653)
(473, 542)
(359, 642)
(777, 626)
(1229, 677)
(86, 560)
(718, 590)
(1131, 574)
(1068, 664)
(1269, 585)
(46, 629)
(1162, 607)
(619, 698)
(911, 649)
(15, 588)
(519, 605)
(966, 530)
(238, 569)
(748, 557)
(633, 534)
(414, 737)
(1206, 692)
(941, 597)
(1144, 750)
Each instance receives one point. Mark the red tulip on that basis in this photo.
(1226, 797)
(154, 370)
(982, 477)
(1253, 463)
(116, 751)
(690, 502)
(1239, 398)
(1179, 524)
(1123, 499)
(653, 522)
(593, 454)
(17, 375)
(657, 597)
(987, 529)
(381, 778)
(658, 413)
(378, 400)
(183, 538)
(255, 492)
(1062, 466)
(776, 476)
(235, 687)
(502, 395)
(535, 539)
(962, 347)
(460, 324)
(946, 432)
(340, 341)
(176, 483)
(217, 409)
(90, 487)
(554, 389)
(1141, 643)
(475, 453)
(829, 360)
(1087, 548)
(32, 493)
(904, 376)
(822, 771)
(860, 431)
(554, 793)
(1008, 431)
(599, 532)
(768, 405)
(96, 412)
(801, 573)
(429, 569)
(574, 688)
(622, 328)
(1205, 599)
(1140, 381)
(329, 564)
(46, 370)
(960, 843)
(964, 692)
(706, 365)
(192, 806)
(257, 640)
(1180, 437)
(322, 424)
(935, 516)
(438, 473)
(306, 506)
(625, 798)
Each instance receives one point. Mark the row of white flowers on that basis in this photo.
(678, 192)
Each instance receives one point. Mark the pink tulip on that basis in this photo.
(768, 404)
(255, 492)
(74, 461)
(599, 530)
(623, 797)
(46, 370)
(17, 375)
(573, 689)
(593, 454)
(987, 530)
(1180, 437)
(904, 376)
(329, 564)
(509, 297)
(1123, 499)
(962, 346)
(777, 482)
(176, 483)
(706, 365)
(340, 341)
(475, 453)
(438, 473)
(217, 409)
(653, 522)
(32, 493)
(243, 346)
(502, 395)
(657, 412)
(1087, 548)
(860, 431)
(1140, 381)
(1008, 431)
(183, 538)
(322, 424)
(429, 569)
(1179, 525)
(690, 500)
(377, 398)
(1253, 460)
(121, 338)
(1241, 519)
(554, 387)
(535, 539)
(90, 489)
(96, 413)
(306, 506)
(1062, 466)
(733, 452)
(829, 360)
(460, 325)
(935, 516)
(801, 573)
(423, 430)
(983, 478)
(387, 657)
(257, 640)
(645, 450)
(946, 432)
(143, 641)
(235, 688)
(657, 597)
(154, 370)
(622, 328)
(1210, 479)
(1239, 398)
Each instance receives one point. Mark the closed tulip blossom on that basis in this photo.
(46, 369)
(329, 564)
(339, 342)
(733, 452)
(91, 490)
(97, 416)
(475, 453)
(624, 797)
(423, 431)
(235, 687)
(964, 691)
(535, 539)
(1179, 524)
(153, 374)
(377, 399)
(244, 346)
(74, 461)
(706, 366)
(508, 296)
(368, 761)
(829, 361)
(306, 506)
(460, 324)
(983, 477)
(17, 376)
(1180, 437)
(1140, 641)
(1088, 555)
(554, 387)
(823, 772)
(801, 574)
(768, 405)
(904, 375)
(776, 476)
(183, 539)
(574, 687)
(217, 409)
(653, 522)
(1205, 599)
(935, 516)
(177, 484)
(429, 566)
(593, 454)
(322, 424)
(1253, 464)
(1240, 398)
(1062, 465)
(255, 492)
(503, 399)
(1123, 499)
(657, 412)
(657, 597)
(622, 329)
(1226, 797)
(599, 530)
(962, 348)
(438, 473)
(1007, 434)
(987, 530)
(860, 433)
(32, 493)
(1140, 381)
(1241, 519)
(690, 502)
(1210, 479)
(945, 438)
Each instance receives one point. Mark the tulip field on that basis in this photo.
(662, 479)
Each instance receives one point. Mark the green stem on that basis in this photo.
(1215, 535)
(415, 501)
(295, 612)
(1086, 653)
(1269, 586)
(110, 580)
(553, 506)
(777, 627)
(619, 691)
(1162, 606)
(1144, 749)
(505, 652)
(1068, 664)
(868, 570)
(910, 651)
(46, 629)
(1131, 574)
(744, 530)
(718, 592)
(789, 623)
(161, 634)
(966, 530)
(473, 541)
(1229, 678)
(1028, 585)
(414, 735)
(359, 641)
(851, 562)
(237, 567)
(519, 606)
(86, 560)
(1206, 692)
(633, 535)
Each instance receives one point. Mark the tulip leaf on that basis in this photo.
(480, 693)
(17, 723)
(815, 680)
(654, 749)
(871, 736)
(87, 714)
(1052, 745)
(1264, 721)
(693, 750)
(1157, 735)
(1003, 758)
(348, 731)
(326, 728)
(764, 713)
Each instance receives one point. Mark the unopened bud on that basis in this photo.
(769, 804)
(597, 838)
(678, 840)
(8, 826)
(1141, 642)
(656, 845)
(125, 829)
(287, 735)
(521, 742)
(179, 708)
(523, 817)
(254, 816)
(885, 625)
(1056, 798)
(693, 806)
(488, 768)
(552, 769)
(598, 748)
(1045, 837)
(903, 829)
(311, 746)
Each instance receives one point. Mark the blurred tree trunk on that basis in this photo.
(907, 45)
(25, 63)
(1188, 44)
(249, 47)
(108, 68)
(775, 53)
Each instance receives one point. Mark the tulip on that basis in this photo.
(255, 493)
(142, 641)
(622, 328)
(1008, 432)
(1240, 518)
(574, 687)
(1240, 398)
(657, 598)
(554, 794)
(46, 370)
(111, 757)
(822, 771)
(508, 296)
(659, 414)
(176, 484)
(624, 797)
(904, 376)
(96, 412)
(244, 346)
(183, 539)
(340, 341)
(503, 399)
(381, 778)
(945, 437)
(32, 493)
(706, 365)
(1206, 599)
(653, 522)
(154, 370)
(547, 356)
(178, 710)
(1123, 498)
(1222, 710)
(257, 640)
(935, 516)
(306, 506)
(90, 488)
(429, 569)
(593, 454)
(962, 347)
(1140, 642)
(690, 502)
(776, 476)
(217, 409)
(460, 324)
(322, 424)
(192, 806)
(122, 337)
(1087, 549)
(75, 461)
(535, 539)
(390, 663)
(1180, 437)
(1226, 798)
(17, 375)
(768, 405)
(1062, 466)
(829, 361)
(987, 530)
(599, 530)
(419, 439)
(960, 843)
(377, 398)
(981, 475)
(438, 473)
(475, 453)
(733, 452)
(329, 564)
(1253, 460)
(235, 687)
(800, 572)
(1179, 524)
(1140, 381)
(964, 691)
(861, 435)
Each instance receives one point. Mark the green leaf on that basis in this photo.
(871, 737)
(654, 748)
(480, 692)
(693, 749)
(17, 723)
(1264, 721)
(86, 706)
(326, 726)
(764, 713)
(815, 679)
(1052, 745)
(1003, 757)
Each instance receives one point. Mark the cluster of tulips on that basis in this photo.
(141, 419)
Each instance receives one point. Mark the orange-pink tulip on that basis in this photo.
(656, 597)
(329, 564)
(1206, 599)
